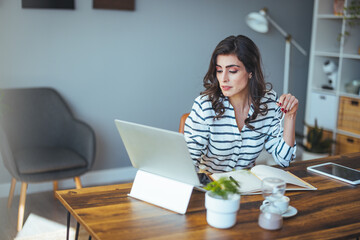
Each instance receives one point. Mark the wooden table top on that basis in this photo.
(331, 212)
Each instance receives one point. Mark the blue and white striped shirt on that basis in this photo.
(219, 146)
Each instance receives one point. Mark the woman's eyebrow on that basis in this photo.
(233, 65)
(229, 66)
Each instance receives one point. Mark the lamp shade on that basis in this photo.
(257, 21)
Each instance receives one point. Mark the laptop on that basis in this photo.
(159, 152)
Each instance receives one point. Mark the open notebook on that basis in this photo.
(250, 180)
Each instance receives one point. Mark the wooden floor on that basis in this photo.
(42, 204)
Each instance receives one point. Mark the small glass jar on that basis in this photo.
(270, 217)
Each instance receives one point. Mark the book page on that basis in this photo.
(263, 171)
(249, 183)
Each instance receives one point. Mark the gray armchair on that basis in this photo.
(40, 140)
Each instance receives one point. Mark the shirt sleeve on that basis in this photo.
(196, 132)
(276, 146)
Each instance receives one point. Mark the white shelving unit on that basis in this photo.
(323, 104)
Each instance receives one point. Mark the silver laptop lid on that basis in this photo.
(158, 151)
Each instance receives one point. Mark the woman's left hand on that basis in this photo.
(289, 104)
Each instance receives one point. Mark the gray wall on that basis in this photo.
(144, 66)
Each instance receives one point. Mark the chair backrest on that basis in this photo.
(33, 116)
(182, 122)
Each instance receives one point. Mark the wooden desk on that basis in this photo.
(331, 212)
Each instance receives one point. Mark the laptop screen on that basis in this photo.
(158, 151)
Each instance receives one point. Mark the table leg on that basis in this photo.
(68, 225)
(77, 230)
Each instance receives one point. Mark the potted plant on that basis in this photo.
(222, 202)
(351, 14)
(316, 145)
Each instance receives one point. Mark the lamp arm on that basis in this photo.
(282, 31)
(286, 35)
(298, 46)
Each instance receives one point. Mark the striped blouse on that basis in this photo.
(219, 146)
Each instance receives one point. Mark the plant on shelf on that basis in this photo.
(315, 142)
(352, 15)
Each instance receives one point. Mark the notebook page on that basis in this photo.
(263, 171)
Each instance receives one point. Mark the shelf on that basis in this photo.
(332, 16)
(326, 35)
(329, 16)
(325, 7)
(345, 94)
(351, 56)
(324, 104)
(350, 134)
(350, 71)
(327, 54)
(318, 75)
(351, 41)
(324, 91)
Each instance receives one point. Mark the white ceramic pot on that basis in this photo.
(221, 213)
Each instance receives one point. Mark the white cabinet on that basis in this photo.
(322, 109)
(322, 103)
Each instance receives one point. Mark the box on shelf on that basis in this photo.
(349, 114)
(347, 144)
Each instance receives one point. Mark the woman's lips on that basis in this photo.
(225, 88)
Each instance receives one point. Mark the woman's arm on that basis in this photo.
(283, 147)
(289, 105)
(196, 133)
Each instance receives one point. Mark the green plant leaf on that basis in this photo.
(223, 187)
(315, 139)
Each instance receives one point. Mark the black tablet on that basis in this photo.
(337, 171)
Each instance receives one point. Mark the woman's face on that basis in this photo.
(232, 76)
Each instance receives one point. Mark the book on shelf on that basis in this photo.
(250, 180)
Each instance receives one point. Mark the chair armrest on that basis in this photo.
(80, 137)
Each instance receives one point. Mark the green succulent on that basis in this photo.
(223, 187)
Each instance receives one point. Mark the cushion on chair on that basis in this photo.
(45, 159)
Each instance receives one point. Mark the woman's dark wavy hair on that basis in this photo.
(248, 53)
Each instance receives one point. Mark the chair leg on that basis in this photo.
(56, 187)
(11, 193)
(77, 182)
(22, 206)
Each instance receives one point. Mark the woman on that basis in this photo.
(236, 116)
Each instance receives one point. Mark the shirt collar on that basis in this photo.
(226, 103)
